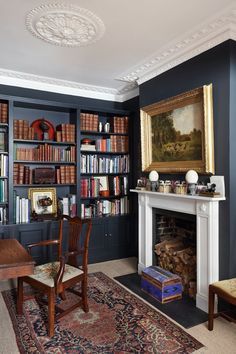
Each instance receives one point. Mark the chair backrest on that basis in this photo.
(78, 235)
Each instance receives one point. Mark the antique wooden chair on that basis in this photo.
(54, 278)
(225, 289)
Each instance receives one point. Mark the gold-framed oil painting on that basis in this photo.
(177, 133)
(43, 201)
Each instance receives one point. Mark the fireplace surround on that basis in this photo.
(206, 210)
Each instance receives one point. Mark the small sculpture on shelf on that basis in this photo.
(141, 183)
(191, 178)
(153, 178)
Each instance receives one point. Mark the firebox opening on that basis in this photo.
(174, 246)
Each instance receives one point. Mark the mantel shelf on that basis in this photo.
(174, 195)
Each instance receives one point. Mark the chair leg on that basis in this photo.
(85, 295)
(19, 296)
(51, 312)
(211, 306)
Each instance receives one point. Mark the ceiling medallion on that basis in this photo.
(65, 25)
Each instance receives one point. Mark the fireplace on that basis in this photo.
(206, 211)
(174, 246)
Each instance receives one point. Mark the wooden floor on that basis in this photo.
(222, 340)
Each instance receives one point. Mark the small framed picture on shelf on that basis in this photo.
(103, 186)
(43, 201)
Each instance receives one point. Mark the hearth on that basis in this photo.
(206, 212)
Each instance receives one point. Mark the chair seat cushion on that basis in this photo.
(228, 286)
(46, 273)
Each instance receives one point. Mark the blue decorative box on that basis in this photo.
(161, 284)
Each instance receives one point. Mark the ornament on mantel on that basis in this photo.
(191, 178)
(153, 178)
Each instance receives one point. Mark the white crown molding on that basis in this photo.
(206, 36)
(19, 79)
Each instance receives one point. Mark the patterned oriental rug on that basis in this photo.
(118, 322)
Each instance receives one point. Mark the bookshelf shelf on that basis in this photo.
(104, 198)
(86, 152)
(89, 132)
(43, 142)
(102, 174)
(44, 162)
(43, 185)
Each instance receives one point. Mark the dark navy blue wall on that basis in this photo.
(212, 66)
(232, 161)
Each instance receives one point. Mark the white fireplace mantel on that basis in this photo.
(206, 210)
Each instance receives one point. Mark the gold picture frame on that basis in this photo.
(177, 133)
(43, 201)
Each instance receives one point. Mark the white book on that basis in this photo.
(23, 210)
(65, 205)
(17, 209)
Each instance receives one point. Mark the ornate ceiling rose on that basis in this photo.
(65, 25)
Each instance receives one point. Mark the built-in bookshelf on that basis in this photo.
(4, 161)
(105, 160)
(79, 158)
(44, 159)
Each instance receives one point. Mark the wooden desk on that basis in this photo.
(14, 260)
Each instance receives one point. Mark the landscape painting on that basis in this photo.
(177, 133)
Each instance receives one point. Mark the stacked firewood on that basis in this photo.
(179, 259)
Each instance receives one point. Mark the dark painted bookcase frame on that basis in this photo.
(111, 235)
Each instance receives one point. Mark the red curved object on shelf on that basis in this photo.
(36, 125)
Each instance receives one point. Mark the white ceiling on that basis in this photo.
(141, 40)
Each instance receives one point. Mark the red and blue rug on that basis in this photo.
(117, 322)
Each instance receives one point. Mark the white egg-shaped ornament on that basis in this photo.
(153, 178)
(191, 178)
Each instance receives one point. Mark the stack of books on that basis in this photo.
(22, 130)
(89, 122)
(3, 113)
(65, 132)
(120, 125)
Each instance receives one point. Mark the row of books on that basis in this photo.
(3, 190)
(65, 132)
(3, 140)
(65, 174)
(112, 144)
(3, 165)
(22, 130)
(21, 209)
(105, 207)
(118, 185)
(120, 125)
(45, 153)
(3, 215)
(3, 113)
(95, 164)
(89, 121)
(91, 187)
(67, 205)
